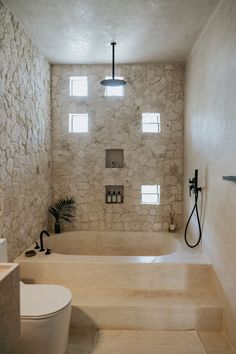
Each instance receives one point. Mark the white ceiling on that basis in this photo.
(80, 31)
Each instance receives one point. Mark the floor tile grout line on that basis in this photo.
(204, 347)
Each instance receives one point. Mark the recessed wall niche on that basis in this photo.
(114, 158)
(117, 191)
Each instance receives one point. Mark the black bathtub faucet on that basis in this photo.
(41, 239)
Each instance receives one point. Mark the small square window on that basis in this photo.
(151, 123)
(150, 194)
(114, 90)
(78, 86)
(78, 123)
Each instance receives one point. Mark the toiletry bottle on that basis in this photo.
(114, 199)
(109, 197)
(118, 198)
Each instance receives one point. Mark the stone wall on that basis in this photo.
(24, 136)
(78, 160)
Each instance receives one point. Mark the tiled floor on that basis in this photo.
(215, 343)
(148, 342)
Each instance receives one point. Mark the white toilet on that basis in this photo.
(45, 318)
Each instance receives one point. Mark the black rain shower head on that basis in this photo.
(113, 81)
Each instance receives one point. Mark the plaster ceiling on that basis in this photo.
(80, 31)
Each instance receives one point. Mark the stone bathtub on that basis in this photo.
(110, 259)
(101, 259)
(111, 243)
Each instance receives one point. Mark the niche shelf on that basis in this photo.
(114, 158)
(115, 189)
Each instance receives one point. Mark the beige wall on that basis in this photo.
(79, 159)
(24, 136)
(210, 144)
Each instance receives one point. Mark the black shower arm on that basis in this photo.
(113, 59)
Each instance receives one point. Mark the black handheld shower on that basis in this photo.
(193, 188)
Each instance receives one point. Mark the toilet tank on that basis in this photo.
(3, 250)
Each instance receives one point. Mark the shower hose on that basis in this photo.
(195, 207)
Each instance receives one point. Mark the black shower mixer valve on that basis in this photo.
(191, 185)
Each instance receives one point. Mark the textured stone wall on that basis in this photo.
(24, 136)
(115, 122)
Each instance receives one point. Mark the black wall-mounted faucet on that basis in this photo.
(193, 184)
(41, 239)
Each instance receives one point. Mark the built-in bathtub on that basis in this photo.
(111, 259)
(104, 270)
(112, 243)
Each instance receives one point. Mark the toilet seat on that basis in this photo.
(40, 301)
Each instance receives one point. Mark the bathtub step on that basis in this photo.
(148, 342)
(151, 342)
(102, 273)
(146, 310)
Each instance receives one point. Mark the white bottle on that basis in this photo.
(118, 198)
(113, 198)
(109, 197)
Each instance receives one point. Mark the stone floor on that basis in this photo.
(148, 342)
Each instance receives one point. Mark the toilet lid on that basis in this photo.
(43, 300)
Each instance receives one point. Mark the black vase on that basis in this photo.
(57, 227)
